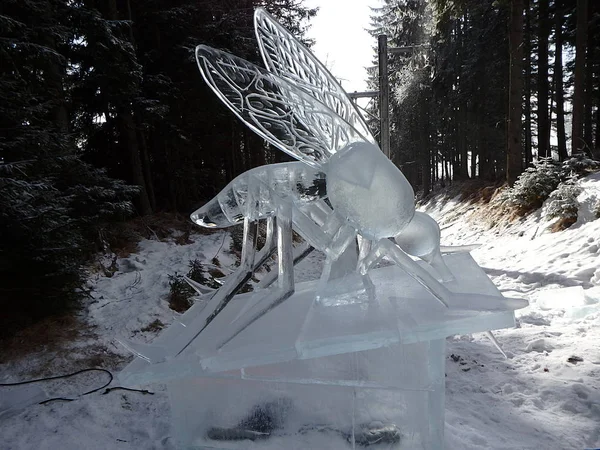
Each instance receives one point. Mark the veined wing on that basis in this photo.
(286, 57)
(276, 109)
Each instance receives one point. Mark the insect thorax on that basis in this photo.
(369, 191)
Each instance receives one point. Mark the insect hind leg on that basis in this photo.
(449, 299)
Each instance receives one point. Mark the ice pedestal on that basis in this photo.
(309, 376)
(320, 403)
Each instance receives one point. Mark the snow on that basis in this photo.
(136, 295)
(545, 395)
(535, 399)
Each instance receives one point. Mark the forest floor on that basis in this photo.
(545, 395)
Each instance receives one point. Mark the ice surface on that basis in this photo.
(304, 376)
(297, 106)
(300, 329)
(576, 302)
(564, 298)
(421, 238)
(14, 399)
(369, 191)
(328, 402)
(297, 182)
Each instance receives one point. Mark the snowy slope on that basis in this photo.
(535, 399)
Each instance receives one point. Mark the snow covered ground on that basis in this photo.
(546, 395)
(537, 398)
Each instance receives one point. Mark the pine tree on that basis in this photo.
(404, 23)
(50, 199)
(451, 100)
(138, 87)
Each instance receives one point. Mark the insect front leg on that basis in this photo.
(301, 252)
(318, 224)
(236, 280)
(219, 300)
(265, 253)
(232, 285)
(364, 247)
(339, 283)
(285, 273)
(268, 248)
(261, 258)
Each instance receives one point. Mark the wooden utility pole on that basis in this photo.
(384, 95)
(384, 88)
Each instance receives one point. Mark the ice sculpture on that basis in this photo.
(304, 376)
(298, 107)
(355, 358)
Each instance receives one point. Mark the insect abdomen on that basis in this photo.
(292, 182)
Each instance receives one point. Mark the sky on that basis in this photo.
(342, 42)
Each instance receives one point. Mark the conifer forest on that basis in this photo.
(104, 117)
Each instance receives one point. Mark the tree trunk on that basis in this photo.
(476, 145)
(595, 12)
(543, 88)
(425, 150)
(454, 153)
(597, 139)
(130, 18)
(478, 139)
(446, 171)
(129, 139)
(130, 144)
(514, 152)
(144, 158)
(435, 163)
(464, 164)
(258, 151)
(527, 88)
(578, 143)
(559, 90)
(589, 94)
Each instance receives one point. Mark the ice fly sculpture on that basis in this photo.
(342, 187)
(357, 354)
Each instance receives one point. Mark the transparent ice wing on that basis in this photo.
(286, 57)
(276, 109)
